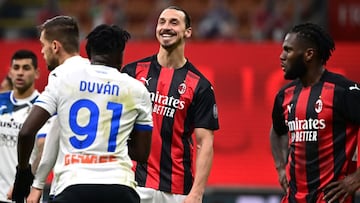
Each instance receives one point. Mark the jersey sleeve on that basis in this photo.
(352, 101)
(144, 119)
(205, 110)
(48, 159)
(278, 119)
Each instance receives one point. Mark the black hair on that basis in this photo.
(106, 39)
(63, 29)
(25, 54)
(187, 16)
(318, 37)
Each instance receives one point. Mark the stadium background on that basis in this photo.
(245, 72)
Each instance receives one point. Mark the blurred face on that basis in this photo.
(5, 85)
(23, 74)
(48, 52)
(170, 29)
(292, 58)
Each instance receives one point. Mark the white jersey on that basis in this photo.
(97, 108)
(13, 113)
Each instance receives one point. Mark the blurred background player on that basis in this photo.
(183, 103)
(14, 108)
(6, 84)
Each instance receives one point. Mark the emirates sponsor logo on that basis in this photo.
(165, 105)
(305, 130)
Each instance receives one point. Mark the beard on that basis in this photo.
(52, 64)
(296, 70)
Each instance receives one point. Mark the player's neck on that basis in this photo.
(64, 56)
(174, 59)
(19, 94)
(313, 76)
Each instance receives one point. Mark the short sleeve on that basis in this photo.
(278, 119)
(352, 103)
(205, 110)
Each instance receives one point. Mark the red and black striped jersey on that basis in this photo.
(183, 99)
(322, 122)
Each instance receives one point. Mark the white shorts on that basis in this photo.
(149, 195)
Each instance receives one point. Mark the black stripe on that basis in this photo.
(312, 148)
(291, 117)
(188, 178)
(339, 135)
(141, 174)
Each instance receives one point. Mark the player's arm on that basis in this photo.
(204, 159)
(139, 145)
(279, 149)
(139, 142)
(40, 146)
(47, 162)
(35, 120)
(24, 177)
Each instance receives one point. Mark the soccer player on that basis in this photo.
(59, 37)
(104, 118)
(183, 103)
(14, 108)
(319, 114)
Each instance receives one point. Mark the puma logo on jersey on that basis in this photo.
(289, 107)
(146, 81)
(355, 87)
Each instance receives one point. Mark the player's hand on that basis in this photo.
(342, 189)
(34, 196)
(192, 198)
(282, 179)
(9, 194)
(23, 180)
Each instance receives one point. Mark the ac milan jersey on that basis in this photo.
(183, 99)
(322, 122)
(13, 113)
(97, 108)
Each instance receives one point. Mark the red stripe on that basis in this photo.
(325, 138)
(177, 153)
(300, 147)
(142, 70)
(289, 94)
(163, 87)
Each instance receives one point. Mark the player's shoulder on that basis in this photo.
(70, 66)
(5, 95)
(339, 80)
(288, 87)
(194, 72)
(143, 61)
(5, 101)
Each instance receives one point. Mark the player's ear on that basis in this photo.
(188, 32)
(309, 54)
(56, 45)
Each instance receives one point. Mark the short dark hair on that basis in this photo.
(187, 16)
(106, 39)
(25, 54)
(63, 29)
(318, 37)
